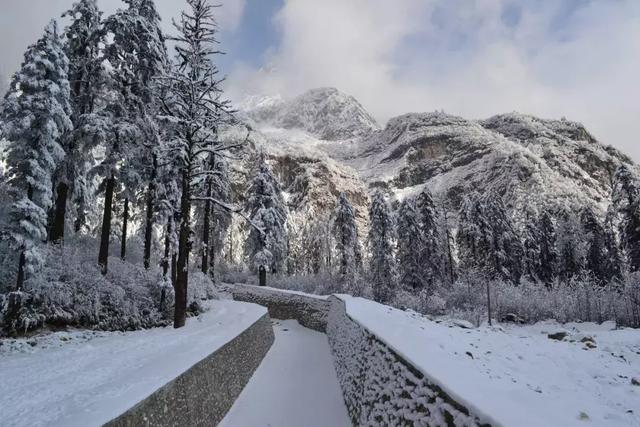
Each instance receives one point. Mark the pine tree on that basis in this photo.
(193, 111)
(596, 255)
(447, 243)
(431, 251)
(316, 245)
(571, 247)
(532, 245)
(626, 202)
(409, 255)
(347, 244)
(267, 209)
(381, 261)
(35, 116)
(615, 264)
(136, 55)
(488, 241)
(548, 252)
(220, 217)
(474, 234)
(86, 76)
(506, 247)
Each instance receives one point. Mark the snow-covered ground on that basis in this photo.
(84, 379)
(518, 376)
(295, 385)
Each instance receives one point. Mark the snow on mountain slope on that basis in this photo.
(326, 113)
(536, 162)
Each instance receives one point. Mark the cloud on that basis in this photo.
(22, 23)
(573, 58)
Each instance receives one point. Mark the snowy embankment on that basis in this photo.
(88, 381)
(518, 376)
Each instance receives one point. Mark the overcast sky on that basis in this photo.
(574, 58)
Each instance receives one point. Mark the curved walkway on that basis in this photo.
(296, 384)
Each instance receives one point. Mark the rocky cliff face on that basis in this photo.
(324, 142)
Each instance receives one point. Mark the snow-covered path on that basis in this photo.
(296, 384)
(87, 383)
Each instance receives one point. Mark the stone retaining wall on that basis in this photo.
(379, 386)
(311, 312)
(202, 395)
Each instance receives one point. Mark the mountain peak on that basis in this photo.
(326, 113)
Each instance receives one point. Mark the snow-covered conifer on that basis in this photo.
(347, 244)
(380, 240)
(488, 241)
(83, 40)
(532, 242)
(615, 263)
(570, 246)
(547, 246)
(431, 250)
(267, 209)
(596, 254)
(626, 202)
(412, 277)
(193, 111)
(136, 55)
(35, 117)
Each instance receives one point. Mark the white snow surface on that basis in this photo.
(296, 384)
(87, 382)
(515, 375)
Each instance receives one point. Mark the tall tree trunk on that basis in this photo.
(489, 301)
(230, 257)
(174, 269)
(103, 257)
(81, 218)
(449, 251)
(182, 279)
(167, 249)
(148, 230)
(57, 229)
(21, 265)
(206, 233)
(22, 262)
(125, 222)
(212, 248)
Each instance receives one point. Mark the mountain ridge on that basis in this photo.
(534, 163)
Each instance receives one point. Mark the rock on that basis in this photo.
(195, 308)
(583, 416)
(635, 381)
(558, 336)
(462, 324)
(512, 318)
(468, 353)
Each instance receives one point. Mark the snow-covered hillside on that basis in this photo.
(325, 140)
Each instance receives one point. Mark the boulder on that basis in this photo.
(558, 336)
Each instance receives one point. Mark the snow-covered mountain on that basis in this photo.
(325, 113)
(324, 142)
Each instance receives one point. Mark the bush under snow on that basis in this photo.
(70, 291)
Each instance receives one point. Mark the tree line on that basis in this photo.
(417, 244)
